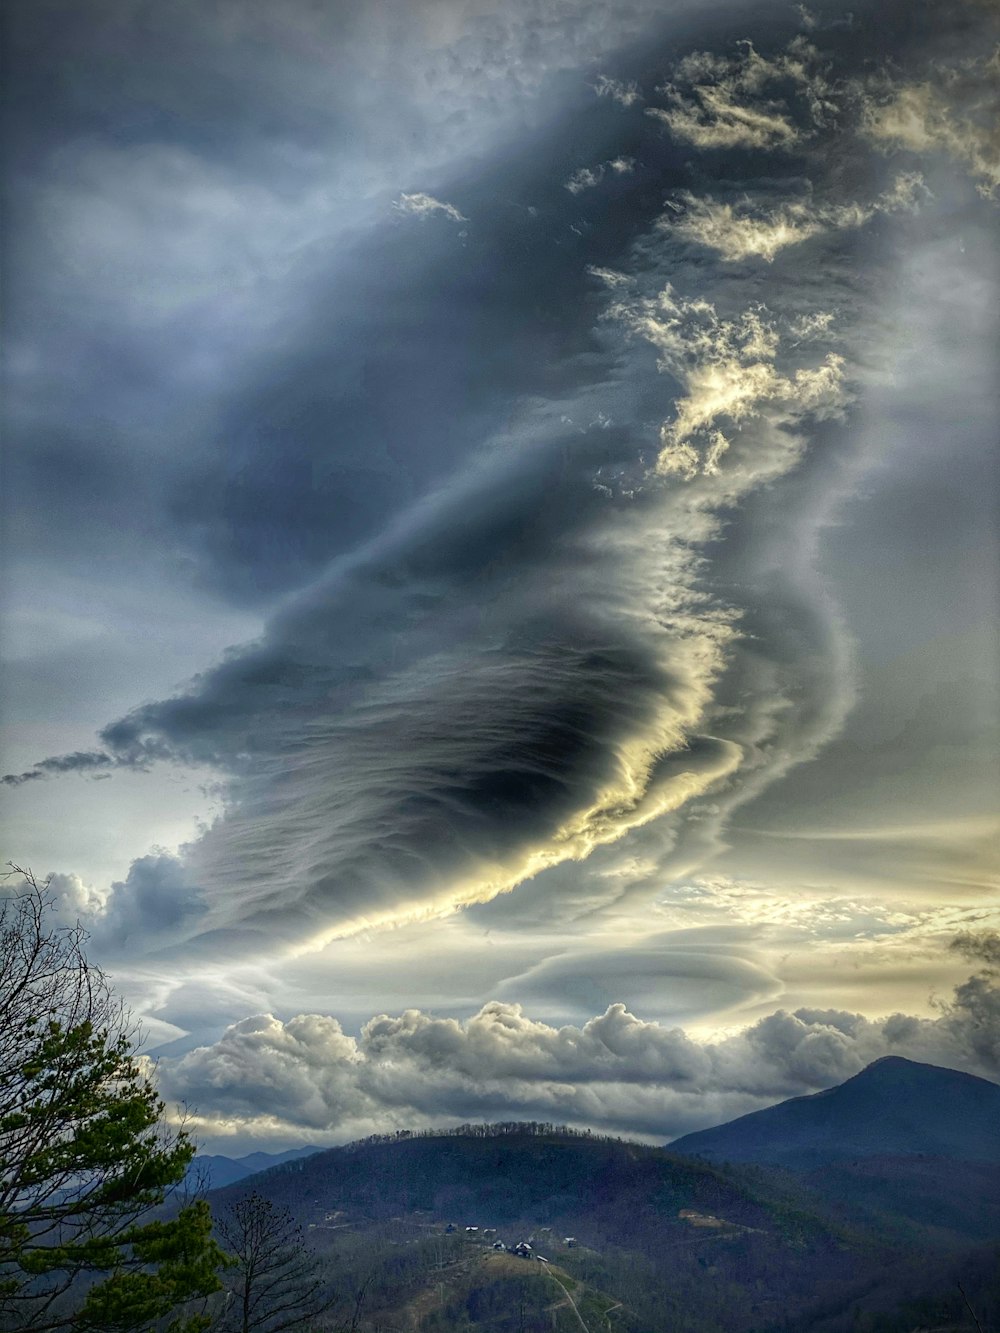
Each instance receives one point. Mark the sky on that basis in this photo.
(500, 547)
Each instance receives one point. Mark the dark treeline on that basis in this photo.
(540, 1129)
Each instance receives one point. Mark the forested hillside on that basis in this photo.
(651, 1240)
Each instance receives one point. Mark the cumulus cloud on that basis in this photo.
(745, 230)
(614, 1072)
(425, 206)
(72, 900)
(716, 101)
(155, 902)
(152, 905)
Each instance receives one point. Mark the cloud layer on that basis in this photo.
(306, 1076)
(579, 418)
(527, 663)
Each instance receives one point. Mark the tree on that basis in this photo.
(275, 1283)
(85, 1154)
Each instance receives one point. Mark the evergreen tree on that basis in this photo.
(85, 1154)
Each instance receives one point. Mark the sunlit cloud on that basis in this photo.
(957, 114)
(728, 373)
(307, 1077)
(744, 230)
(716, 102)
(425, 205)
(581, 620)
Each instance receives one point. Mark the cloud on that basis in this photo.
(614, 1072)
(586, 178)
(979, 945)
(80, 761)
(155, 903)
(518, 674)
(727, 370)
(72, 900)
(625, 93)
(609, 276)
(745, 230)
(659, 974)
(527, 663)
(425, 205)
(958, 114)
(151, 906)
(719, 101)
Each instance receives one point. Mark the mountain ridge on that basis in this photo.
(893, 1107)
(213, 1171)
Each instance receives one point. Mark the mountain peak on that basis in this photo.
(944, 1113)
(890, 1063)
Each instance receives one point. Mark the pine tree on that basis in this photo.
(85, 1153)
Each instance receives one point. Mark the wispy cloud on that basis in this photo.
(724, 101)
(585, 178)
(425, 205)
(625, 92)
(81, 761)
(746, 230)
(957, 113)
(728, 372)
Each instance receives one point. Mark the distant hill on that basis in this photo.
(684, 1244)
(214, 1171)
(895, 1108)
(522, 1178)
(661, 1243)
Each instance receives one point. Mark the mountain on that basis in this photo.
(213, 1171)
(895, 1108)
(909, 1149)
(675, 1243)
(638, 1239)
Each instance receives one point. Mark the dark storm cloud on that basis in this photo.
(218, 338)
(425, 717)
(492, 495)
(155, 900)
(979, 946)
(81, 761)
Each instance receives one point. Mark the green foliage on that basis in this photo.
(85, 1155)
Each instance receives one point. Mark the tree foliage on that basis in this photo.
(275, 1283)
(85, 1155)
